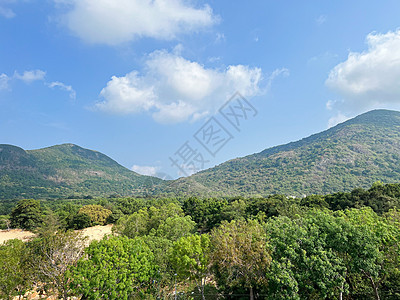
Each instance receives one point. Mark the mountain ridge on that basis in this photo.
(369, 136)
(355, 153)
(66, 170)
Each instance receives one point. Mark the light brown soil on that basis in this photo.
(23, 235)
(96, 232)
(93, 233)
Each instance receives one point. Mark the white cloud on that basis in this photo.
(338, 118)
(369, 79)
(64, 87)
(174, 89)
(6, 12)
(4, 81)
(30, 76)
(145, 170)
(35, 75)
(118, 21)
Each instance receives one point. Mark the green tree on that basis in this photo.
(145, 220)
(176, 227)
(97, 213)
(240, 255)
(115, 268)
(303, 266)
(27, 214)
(205, 212)
(370, 247)
(15, 274)
(190, 257)
(80, 221)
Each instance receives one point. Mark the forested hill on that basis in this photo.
(66, 170)
(355, 153)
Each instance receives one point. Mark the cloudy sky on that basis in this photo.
(169, 87)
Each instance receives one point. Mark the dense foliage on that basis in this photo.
(66, 170)
(337, 246)
(353, 154)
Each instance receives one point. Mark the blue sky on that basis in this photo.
(138, 79)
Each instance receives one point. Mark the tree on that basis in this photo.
(115, 268)
(53, 255)
(159, 227)
(303, 266)
(190, 257)
(176, 227)
(26, 214)
(145, 220)
(371, 246)
(97, 213)
(205, 212)
(15, 276)
(240, 255)
(80, 221)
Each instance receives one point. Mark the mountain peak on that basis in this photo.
(355, 153)
(379, 117)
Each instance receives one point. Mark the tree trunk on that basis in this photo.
(341, 292)
(202, 290)
(251, 293)
(375, 288)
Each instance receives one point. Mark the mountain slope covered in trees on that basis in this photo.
(65, 170)
(355, 153)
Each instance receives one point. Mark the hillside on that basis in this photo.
(66, 170)
(352, 154)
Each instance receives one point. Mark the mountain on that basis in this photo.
(353, 154)
(66, 170)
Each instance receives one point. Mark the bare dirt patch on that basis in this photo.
(96, 232)
(92, 233)
(20, 234)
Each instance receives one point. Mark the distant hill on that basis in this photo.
(66, 170)
(353, 154)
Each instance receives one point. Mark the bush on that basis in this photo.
(80, 221)
(97, 213)
(26, 215)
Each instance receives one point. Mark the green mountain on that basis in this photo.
(353, 154)
(66, 170)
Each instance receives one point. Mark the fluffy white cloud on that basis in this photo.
(64, 87)
(30, 76)
(4, 81)
(371, 78)
(174, 89)
(145, 170)
(118, 21)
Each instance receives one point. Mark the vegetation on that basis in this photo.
(115, 268)
(356, 153)
(66, 171)
(15, 277)
(27, 214)
(98, 214)
(336, 246)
